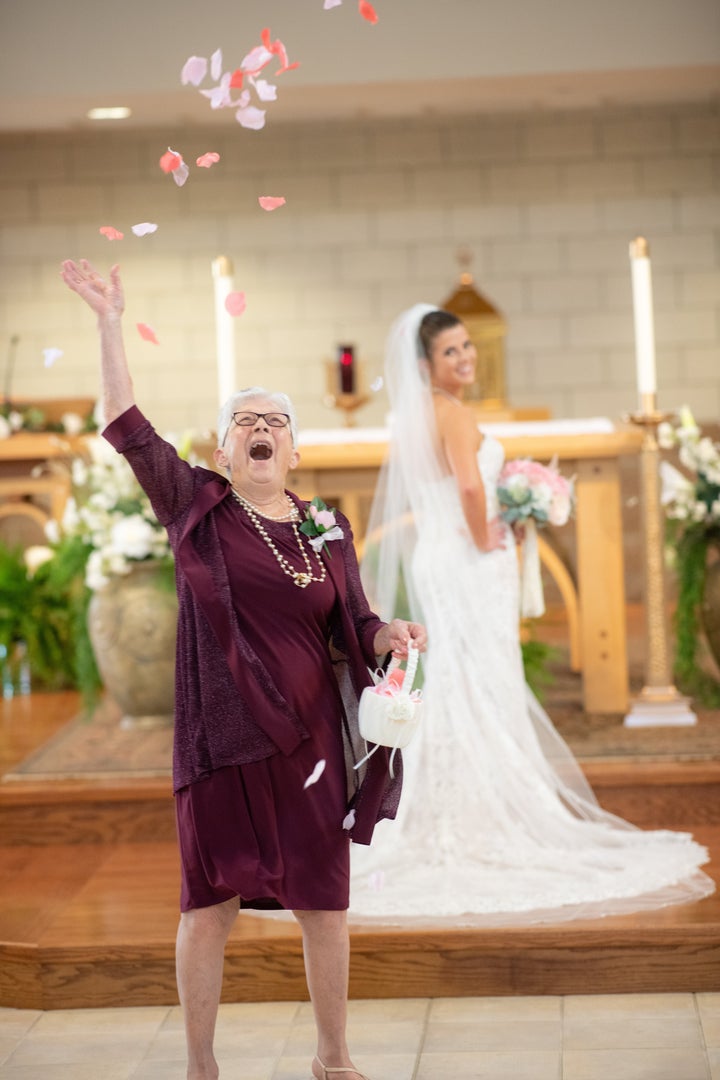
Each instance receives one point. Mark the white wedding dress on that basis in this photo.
(497, 824)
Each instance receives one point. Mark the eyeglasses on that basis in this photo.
(272, 419)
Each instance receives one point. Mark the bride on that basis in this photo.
(497, 824)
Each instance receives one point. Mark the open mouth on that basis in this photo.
(261, 450)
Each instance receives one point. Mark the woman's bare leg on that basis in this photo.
(199, 953)
(326, 947)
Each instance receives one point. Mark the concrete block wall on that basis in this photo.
(376, 212)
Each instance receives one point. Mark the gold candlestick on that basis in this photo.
(659, 704)
(337, 399)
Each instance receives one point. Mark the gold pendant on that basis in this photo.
(302, 580)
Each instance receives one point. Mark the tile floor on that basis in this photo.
(604, 1037)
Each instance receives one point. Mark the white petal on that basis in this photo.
(315, 774)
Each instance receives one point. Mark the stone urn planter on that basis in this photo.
(132, 624)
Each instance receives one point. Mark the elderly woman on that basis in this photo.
(274, 642)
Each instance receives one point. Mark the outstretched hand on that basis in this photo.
(104, 297)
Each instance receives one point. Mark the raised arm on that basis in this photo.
(106, 299)
(459, 439)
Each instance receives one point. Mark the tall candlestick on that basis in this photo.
(643, 316)
(222, 270)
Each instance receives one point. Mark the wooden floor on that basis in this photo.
(90, 885)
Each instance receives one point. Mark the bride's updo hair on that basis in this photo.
(433, 324)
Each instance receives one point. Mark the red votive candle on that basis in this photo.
(346, 365)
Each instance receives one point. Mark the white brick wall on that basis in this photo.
(375, 215)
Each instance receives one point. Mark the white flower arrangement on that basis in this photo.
(692, 506)
(690, 500)
(110, 512)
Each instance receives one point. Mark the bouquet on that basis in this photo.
(531, 494)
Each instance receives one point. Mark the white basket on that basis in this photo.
(391, 720)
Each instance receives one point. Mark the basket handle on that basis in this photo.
(412, 663)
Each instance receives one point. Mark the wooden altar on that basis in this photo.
(344, 474)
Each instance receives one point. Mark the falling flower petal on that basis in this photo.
(51, 355)
(251, 117)
(220, 95)
(277, 49)
(236, 79)
(194, 70)
(315, 774)
(265, 91)
(377, 384)
(367, 11)
(331, 4)
(216, 64)
(376, 880)
(256, 60)
(205, 161)
(235, 303)
(271, 202)
(111, 233)
(349, 820)
(147, 333)
(181, 174)
(144, 228)
(170, 161)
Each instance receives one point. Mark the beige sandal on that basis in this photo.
(328, 1069)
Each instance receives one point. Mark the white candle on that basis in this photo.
(643, 314)
(222, 270)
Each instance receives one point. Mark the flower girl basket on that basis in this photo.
(390, 711)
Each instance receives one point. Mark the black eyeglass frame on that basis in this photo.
(259, 416)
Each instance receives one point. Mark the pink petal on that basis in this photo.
(51, 355)
(147, 333)
(235, 303)
(170, 161)
(331, 4)
(194, 70)
(265, 91)
(349, 820)
(315, 774)
(112, 234)
(236, 79)
(144, 228)
(220, 95)
(367, 11)
(216, 64)
(256, 60)
(271, 202)
(181, 174)
(244, 100)
(251, 117)
(205, 161)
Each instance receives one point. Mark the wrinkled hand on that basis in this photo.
(104, 297)
(396, 636)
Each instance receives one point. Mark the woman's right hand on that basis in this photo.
(104, 297)
(496, 538)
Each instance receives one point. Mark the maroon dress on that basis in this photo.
(254, 830)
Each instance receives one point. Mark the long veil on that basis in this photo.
(412, 461)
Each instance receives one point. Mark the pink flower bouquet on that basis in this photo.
(527, 489)
(533, 495)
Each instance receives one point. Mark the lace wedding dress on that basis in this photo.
(497, 824)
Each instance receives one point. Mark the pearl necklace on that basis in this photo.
(301, 578)
(447, 394)
(289, 514)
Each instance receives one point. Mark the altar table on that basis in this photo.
(341, 466)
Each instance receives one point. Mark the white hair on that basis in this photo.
(238, 399)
